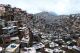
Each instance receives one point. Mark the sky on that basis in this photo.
(35, 6)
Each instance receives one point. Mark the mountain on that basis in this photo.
(53, 13)
(47, 16)
(47, 13)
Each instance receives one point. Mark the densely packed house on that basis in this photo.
(21, 32)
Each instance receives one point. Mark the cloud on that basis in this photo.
(35, 6)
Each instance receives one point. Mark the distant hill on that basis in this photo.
(44, 13)
(49, 17)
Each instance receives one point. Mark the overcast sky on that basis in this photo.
(35, 6)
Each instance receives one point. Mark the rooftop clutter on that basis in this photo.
(21, 32)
